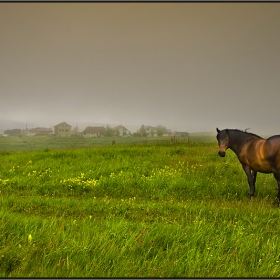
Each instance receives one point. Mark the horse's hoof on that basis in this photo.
(250, 196)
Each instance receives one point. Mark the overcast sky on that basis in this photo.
(192, 66)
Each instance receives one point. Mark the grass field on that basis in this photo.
(50, 142)
(83, 208)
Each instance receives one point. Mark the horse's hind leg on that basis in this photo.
(278, 195)
(254, 174)
(277, 177)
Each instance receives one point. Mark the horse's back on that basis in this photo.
(273, 142)
(273, 138)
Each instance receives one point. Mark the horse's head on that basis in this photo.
(223, 141)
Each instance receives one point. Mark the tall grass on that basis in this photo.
(138, 210)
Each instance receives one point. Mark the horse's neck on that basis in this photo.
(237, 141)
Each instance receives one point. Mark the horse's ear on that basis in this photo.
(218, 130)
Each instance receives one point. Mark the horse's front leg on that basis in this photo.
(251, 176)
(254, 174)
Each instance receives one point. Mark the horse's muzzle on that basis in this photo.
(222, 154)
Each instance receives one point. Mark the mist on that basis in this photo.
(188, 66)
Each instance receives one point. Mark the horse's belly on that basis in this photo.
(262, 166)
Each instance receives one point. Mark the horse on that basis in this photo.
(255, 154)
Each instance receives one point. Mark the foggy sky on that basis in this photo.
(192, 66)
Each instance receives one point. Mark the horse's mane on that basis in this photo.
(249, 133)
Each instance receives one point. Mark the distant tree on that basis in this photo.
(161, 130)
(136, 134)
(142, 131)
(75, 131)
(103, 132)
(109, 131)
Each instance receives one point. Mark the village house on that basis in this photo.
(120, 130)
(151, 131)
(62, 129)
(93, 131)
(13, 132)
(169, 132)
(40, 131)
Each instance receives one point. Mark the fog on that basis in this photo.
(188, 66)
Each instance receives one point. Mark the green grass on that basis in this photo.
(135, 209)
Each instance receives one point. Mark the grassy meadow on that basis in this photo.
(140, 208)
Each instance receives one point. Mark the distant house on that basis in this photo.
(62, 129)
(93, 131)
(13, 132)
(151, 131)
(183, 134)
(40, 131)
(121, 130)
(169, 133)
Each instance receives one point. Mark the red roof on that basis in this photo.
(94, 129)
(40, 129)
(118, 127)
(63, 123)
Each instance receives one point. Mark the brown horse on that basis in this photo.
(254, 153)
